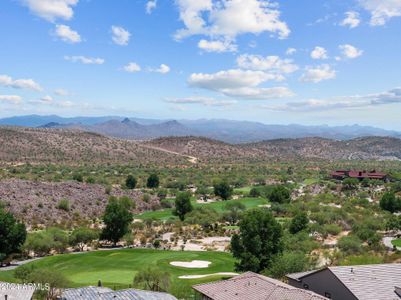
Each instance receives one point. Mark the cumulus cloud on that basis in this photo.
(349, 51)
(227, 19)
(29, 84)
(351, 102)
(319, 53)
(85, 60)
(163, 69)
(13, 99)
(318, 73)
(217, 46)
(150, 6)
(66, 34)
(381, 10)
(120, 36)
(51, 10)
(351, 20)
(268, 63)
(132, 67)
(243, 84)
(62, 92)
(206, 101)
(291, 51)
(46, 100)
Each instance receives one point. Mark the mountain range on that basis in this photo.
(224, 130)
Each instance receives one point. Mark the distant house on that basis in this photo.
(13, 291)
(252, 286)
(102, 293)
(358, 174)
(366, 282)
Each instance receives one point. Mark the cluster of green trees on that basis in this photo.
(390, 202)
(53, 238)
(275, 193)
(12, 235)
(264, 246)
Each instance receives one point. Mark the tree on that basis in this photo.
(287, 263)
(130, 182)
(82, 236)
(117, 218)
(153, 279)
(299, 223)
(350, 183)
(50, 278)
(153, 181)
(280, 194)
(204, 216)
(390, 202)
(233, 212)
(183, 205)
(223, 190)
(259, 241)
(12, 235)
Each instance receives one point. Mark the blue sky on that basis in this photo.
(309, 62)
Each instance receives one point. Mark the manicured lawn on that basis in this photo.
(118, 267)
(396, 243)
(243, 190)
(219, 206)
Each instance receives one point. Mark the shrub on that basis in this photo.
(63, 204)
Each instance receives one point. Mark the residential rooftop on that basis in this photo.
(252, 286)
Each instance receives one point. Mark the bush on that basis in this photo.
(350, 244)
(299, 223)
(63, 204)
(280, 194)
(288, 262)
(130, 182)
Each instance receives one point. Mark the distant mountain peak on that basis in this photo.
(126, 121)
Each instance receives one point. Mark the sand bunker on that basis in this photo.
(207, 275)
(198, 264)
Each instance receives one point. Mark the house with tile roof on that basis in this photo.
(363, 282)
(252, 286)
(102, 293)
(14, 291)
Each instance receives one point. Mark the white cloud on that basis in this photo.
(132, 67)
(243, 84)
(318, 73)
(319, 53)
(163, 69)
(51, 9)
(229, 18)
(291, 51)
(85, 60)
(351, 20)
(150, 6)
(20, 83)
(14, 99)
(381, 10)
(206, 101)
(66, 34)
(120, 35)
(62, 92)
(217, 46)
(268, 63)
(349, 51)
(347, 102)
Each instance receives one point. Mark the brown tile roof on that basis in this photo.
(252, 286)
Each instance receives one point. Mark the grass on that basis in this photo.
(396, 242)
(243, 190)
(310, 181)
(118, 267)
(219, 206)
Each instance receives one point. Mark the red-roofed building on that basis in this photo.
(342, 174)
